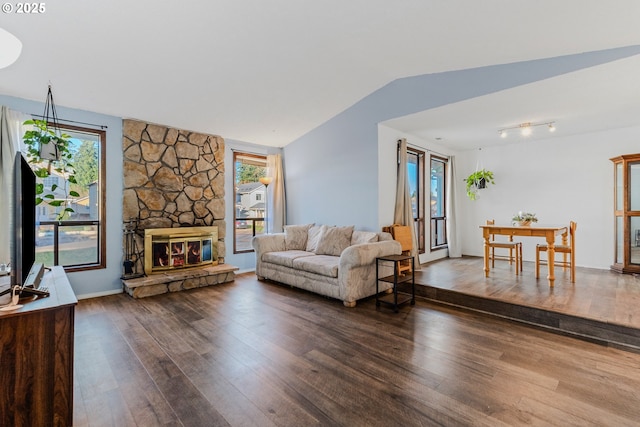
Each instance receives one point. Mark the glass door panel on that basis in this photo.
(634, 239)
(634, 186)
(619, 187)
(619, 240)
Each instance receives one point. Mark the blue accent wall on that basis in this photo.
(332, 171)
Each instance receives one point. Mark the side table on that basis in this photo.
(392, 299)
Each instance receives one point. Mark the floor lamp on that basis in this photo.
(266, 180)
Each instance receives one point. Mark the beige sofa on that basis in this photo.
(338, 262)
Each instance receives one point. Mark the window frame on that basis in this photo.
(443, 217)
(101, 262)
(236, 197)
(419, 222)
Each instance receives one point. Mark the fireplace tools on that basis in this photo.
(131, 252)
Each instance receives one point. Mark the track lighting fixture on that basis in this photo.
(526, 128)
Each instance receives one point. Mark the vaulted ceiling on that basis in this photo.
(267, 72)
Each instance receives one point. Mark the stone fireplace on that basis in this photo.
(173, 180)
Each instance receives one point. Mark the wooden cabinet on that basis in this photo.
(627, 213)
(36, 358)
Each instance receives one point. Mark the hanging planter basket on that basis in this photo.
(49, 152)
(477, 181)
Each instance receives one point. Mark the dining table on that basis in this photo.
(549, 233)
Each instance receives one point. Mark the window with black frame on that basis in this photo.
(437, 203)
(415, 171)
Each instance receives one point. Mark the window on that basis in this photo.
(438, 218)
(437, 184)
(415, 170)
(78, 241)
(250, 197)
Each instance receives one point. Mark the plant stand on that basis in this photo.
(392, 299)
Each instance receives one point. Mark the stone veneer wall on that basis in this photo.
(172, 178)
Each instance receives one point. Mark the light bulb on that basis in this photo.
(526, 131)
(552, 127)
(266, 180)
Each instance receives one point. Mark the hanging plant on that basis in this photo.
(49, 152)
(478, 180)
(41, 141)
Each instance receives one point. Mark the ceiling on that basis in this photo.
(586, 101)
(267, 72)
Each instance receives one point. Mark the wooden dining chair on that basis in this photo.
(515, 250)
(565, 250)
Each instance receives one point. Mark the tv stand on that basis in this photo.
(36, 343)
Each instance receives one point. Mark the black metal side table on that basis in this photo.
(392, 299)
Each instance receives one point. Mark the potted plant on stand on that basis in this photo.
(478, 180)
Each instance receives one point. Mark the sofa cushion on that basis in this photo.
(334, 240)
(313, 237)
(364, 237)
(295, 237)
(326, 265)
(285, 258)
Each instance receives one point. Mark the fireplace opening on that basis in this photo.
(177, 248)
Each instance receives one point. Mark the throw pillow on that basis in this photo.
(295, 237)
(313, 237)
(364, 237)
(334, 240)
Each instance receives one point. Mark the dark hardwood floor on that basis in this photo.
(602, 306)
(596, 294)
(252, 353)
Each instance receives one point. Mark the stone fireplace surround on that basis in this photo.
(173, 178)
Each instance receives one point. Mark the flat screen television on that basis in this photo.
(23, 241)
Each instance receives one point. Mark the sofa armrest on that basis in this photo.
(357, 269)
(268, 243)
(366, 253)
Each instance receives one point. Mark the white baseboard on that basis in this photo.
(100, 294)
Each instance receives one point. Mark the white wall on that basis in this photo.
(388, 175)
(559, 179)
(95, 282)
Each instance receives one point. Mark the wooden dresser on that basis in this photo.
(36, 357)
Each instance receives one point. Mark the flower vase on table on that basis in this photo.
(524, 219)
